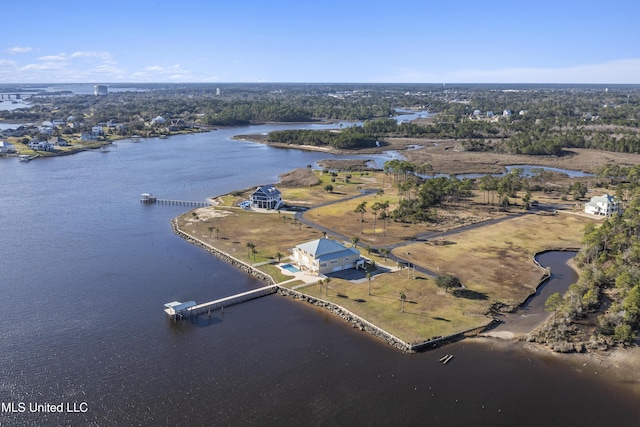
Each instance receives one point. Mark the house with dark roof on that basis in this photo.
(266, 197)
(324, 256)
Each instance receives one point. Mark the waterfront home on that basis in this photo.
(60, 142)
(6, 147)
(324, 256)
(602, 205)
(266, 197)
(40, 145)
(159, 120)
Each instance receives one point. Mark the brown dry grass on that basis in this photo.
(447, 156)
(428, 310)
(498, 259)
(494, 261)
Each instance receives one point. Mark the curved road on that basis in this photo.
(419, 238)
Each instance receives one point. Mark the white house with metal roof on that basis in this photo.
(602, 205)
(324, 256)
(266, 197)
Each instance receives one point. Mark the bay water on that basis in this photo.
(86, 269)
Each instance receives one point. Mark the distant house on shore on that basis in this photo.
(324, 256)
(158, 120)
(266, 197)
(6, 147)
(40, 145)
(602, 205)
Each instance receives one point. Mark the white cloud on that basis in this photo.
(614, 72)
(155, 73)
(19, 49)
(59, 57)
(43, 66)
(90, 56)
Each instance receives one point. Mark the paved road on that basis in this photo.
(422, 237)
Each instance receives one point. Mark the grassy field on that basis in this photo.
(428, 310)
(497, 259)
(494, 262)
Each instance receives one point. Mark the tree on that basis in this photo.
(254, 251)
(375, 208)
(526, 201)
(279, 256)
(369, 283)
(326, 286)
(403, 297)
(328, 188)
(554, 303)
(578, 190)
(361, 209)
(250, 247)
(210, 230)
(448, 281)
(355, 240)
(384, 252)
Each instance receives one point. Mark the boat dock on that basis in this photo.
(177, 310)
(150, 198)
(27, 158)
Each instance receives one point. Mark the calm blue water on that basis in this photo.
(86, 270)
(290, 268)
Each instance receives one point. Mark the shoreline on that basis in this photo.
(619, 367)
(613, 366)
(355, 320)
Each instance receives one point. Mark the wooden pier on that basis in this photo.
(178, 311)
(150, 198)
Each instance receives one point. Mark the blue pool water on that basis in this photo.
(290, 267)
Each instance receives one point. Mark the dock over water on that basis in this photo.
(150, 198)
(178, 311)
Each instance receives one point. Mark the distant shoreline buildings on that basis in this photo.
(101, 90)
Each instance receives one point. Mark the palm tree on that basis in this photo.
(254, 251)
(402, 298)
(250, 247)
(355, 240)
(369, 283)
(217, 232)
(384, 252)
(279, 256)
(320, 282)
(375, 208)
(326, 286)
(401, 265)
(361, 209)
(210, 230)
(385, 206)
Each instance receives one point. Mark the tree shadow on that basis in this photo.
(442, 319)
(469, 294)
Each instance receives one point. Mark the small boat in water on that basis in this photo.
(104, 149)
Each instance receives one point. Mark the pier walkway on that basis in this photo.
(150, 198)
(178, 311)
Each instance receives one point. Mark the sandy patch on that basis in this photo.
(203, 214)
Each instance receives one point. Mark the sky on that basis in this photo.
(330, 41)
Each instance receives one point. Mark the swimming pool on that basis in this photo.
(290, 268)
